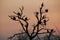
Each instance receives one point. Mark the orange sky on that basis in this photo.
(8, 27)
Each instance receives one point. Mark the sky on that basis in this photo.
(9, 27)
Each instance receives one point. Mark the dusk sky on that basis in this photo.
(9, 27)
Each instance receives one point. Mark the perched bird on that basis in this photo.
(42, 4)
(44, 22)
(46, 10)
(26, 18)
(52, 30)
(18, 14)
(37, 13)
(14, 18)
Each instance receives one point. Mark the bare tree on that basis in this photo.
(36, 28)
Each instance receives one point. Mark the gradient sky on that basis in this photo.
(9, 27)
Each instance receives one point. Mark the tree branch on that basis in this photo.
(15, 35)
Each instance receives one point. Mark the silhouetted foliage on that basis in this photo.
(36, 28)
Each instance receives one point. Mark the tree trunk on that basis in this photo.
(30, 38)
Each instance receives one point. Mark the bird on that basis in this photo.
(37, 13)
(42, 4)
(18, 14)
(44, 22)
(14, 18)
(26, 19)
(46, 10)
(52, 30)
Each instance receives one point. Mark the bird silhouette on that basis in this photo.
(46, 10)
(14, 18)
(37, 13)
(42, 4)
(52, 30)
(44, 22)
(18, 14)
(26, 19)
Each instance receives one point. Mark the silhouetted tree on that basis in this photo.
(36, 28)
